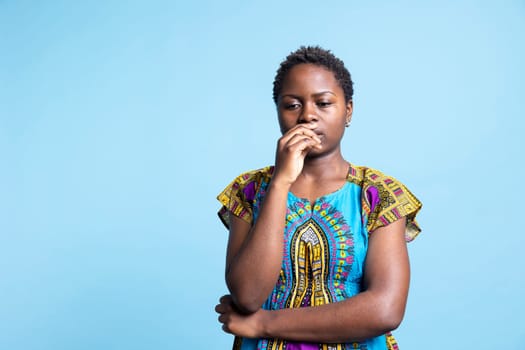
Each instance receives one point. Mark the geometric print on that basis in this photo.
(325, 242)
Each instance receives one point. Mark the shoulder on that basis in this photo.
(237, 198)
(385, 199)
(255, 175)
(249, 181)
(244, 186)
(370, 177)
(363, 174)
(367, 177)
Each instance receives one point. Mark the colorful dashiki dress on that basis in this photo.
(325, 242)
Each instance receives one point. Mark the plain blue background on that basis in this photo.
(120, 121)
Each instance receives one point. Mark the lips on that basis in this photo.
(318, 133)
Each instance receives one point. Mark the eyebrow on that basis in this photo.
(316, 94)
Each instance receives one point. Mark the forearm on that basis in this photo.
(364, 316)
(253, 272)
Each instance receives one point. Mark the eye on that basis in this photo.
(324, 104)
(292, 106)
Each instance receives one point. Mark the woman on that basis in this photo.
(317, 255)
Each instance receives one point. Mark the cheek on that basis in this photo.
(282, 126)
(337, 128)
(285, 123)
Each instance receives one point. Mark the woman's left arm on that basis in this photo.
(373, 312)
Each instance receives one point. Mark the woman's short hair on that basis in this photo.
(319, 57)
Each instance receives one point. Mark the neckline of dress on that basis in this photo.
(328, 195)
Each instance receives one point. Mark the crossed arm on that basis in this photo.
(253, 265)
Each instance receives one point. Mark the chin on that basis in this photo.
(314, 153)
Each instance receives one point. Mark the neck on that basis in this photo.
(325, 167)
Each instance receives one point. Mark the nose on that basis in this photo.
(308, 114)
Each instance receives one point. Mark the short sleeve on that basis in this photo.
(238, 197)
(386, 200)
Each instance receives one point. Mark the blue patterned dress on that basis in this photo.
(325, 242)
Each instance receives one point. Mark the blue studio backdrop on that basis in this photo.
(120, 121)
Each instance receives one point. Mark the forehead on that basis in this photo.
(306, 76)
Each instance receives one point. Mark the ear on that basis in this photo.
(349, 111)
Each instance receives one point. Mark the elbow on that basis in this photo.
(245, 305)
(391, 322)
(390, 317)
(246, 301)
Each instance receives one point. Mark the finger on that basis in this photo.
(224, 307)
(305, 146)
(305, 129)
(300, 147)
(299, 136)
(301, 143)
(226, 329)
(300, 131)
(310, 135)
(219, 308)
(225, 299)
(309, 125)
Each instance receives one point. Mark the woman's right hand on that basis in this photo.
(255, 250)
(292, 149)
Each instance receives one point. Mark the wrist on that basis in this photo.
(265, 321)
(279, 184)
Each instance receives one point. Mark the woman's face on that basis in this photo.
(311, 94)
